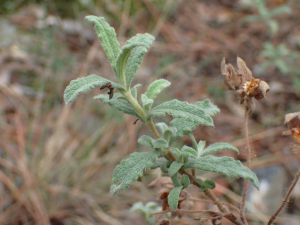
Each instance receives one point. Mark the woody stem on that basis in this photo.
(243, 218)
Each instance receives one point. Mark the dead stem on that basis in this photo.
(243, 218)
(209, 201)
(285, 199)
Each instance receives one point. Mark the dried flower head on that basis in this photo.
(293, 122)
(243, 83)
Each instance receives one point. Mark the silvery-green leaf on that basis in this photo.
(224, 165)
(183, 127)
(108, 38)
(131, 57)
(160, 143)
(119, 103)
(175, 180)
(201, 146)
(164, 168)
(146, 101)
(173, 197)
(159, 162)
(184, 110)
(156, 87)
(208, 107)
(84, 85)
(185, 180)
(147, 141)
(162, 127)
(188, 152)
(175, 166)
(217, 147)
(134, 90)
(131, 169)
(171, 131)
(175, 151)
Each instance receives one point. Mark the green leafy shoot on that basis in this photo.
(131, 57)
(147, 141)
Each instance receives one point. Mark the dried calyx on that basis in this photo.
(243, 83)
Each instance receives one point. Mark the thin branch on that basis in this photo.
(285, 199)
(177, 210)
(209, 201)
(242, 212)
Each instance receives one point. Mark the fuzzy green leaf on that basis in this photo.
(159, 162)
(156, 87)
(108, 38)
(175, 180)
(173, 197)
(118, 103)
(162, 127)
(185, 180)
(208, 107)
(131, 169)
(201, 146)
(84, 85)
(224, 165)
(207, 184)
(171, 131)
(183, 127)
(188, 152)
(217, 147)
(175, 166)
(134, 90)
(164, 168)
(147, 141)
(146, 101)
(175, 151)
(184, 110)
(131, 57)
(160, 143)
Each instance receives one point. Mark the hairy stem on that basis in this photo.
(139, 110)
(285, 199)
(243, 217)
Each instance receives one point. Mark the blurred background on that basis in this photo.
(57, 161)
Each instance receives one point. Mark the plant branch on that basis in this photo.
(229, 215)
(242, 214)
(285, 199)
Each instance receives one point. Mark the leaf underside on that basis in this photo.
(84, 85)
(118, 103)
(182, 110)
(224, 165)
(131, 169)
(217, 147)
